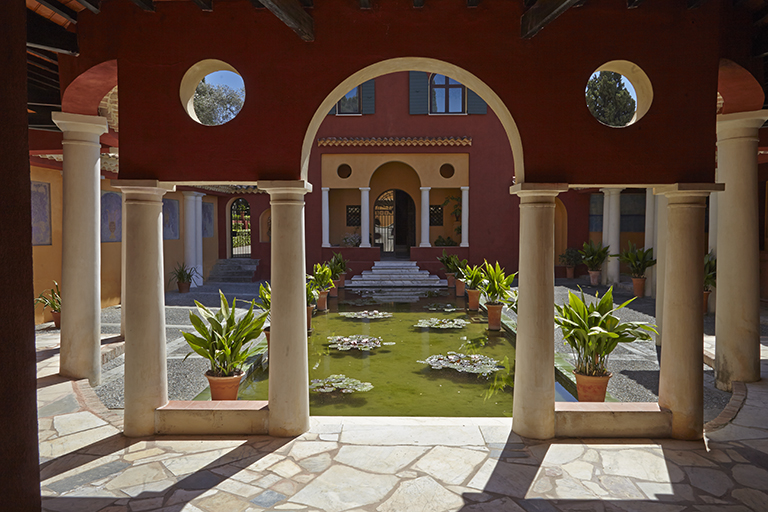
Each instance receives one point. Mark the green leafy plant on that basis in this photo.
(265, 296)
(593, 255)
(593, 330)
(456, 265)
(456, 211)
(321, 277)
(497, 286)
(570, 258)
(338, 265)
(444, 259)
(312, 293)
(52, 300)
(445, 242)
(223, 340)
(183, 274)
(639, 260)
(351, 240)
(473, 277)
(710, 272)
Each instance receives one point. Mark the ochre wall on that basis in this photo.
(338, 199)
(47, 258)
(111, 262)
(173, 250)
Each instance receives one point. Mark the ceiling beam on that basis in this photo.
(541, 14)
(42, 63)
(632, 4)
(293, 14)
(145, 5)
(42, 95)
(60, 9)
(44, 54)
(91, 5)
(695, 4)
(206, 5)
(42, 74)
(45, 34)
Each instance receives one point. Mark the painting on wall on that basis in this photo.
(207, 220)
(41, 213)
(111, 217)
(170, 219)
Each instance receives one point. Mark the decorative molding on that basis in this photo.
(232, 189)
(109, 161)
(395, 141)
(108, 107)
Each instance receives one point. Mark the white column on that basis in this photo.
(326, 218)
(464, 217)
(534, 390)
(81, 246)
(661, 264)
(712, 242)
(681, 377)
(190, 231)
(122, 267)
(146, 381)
(288, 367)
(198, 279)
(737, 351)
(614, 235)
(425, 217)
(650, 236)
(365, 222)
(606, 229)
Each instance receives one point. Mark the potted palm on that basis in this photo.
(473, 279)
(447, 259)
(570, 258)
(710, 277)
(53, 301)
(322, 281)
(222, 339)
(639, 260)
(265, 296)
(593, 257)
(593, 331)
(497, 289)
(456, 267)
(312, 296)
(183, 275)
(339, 268)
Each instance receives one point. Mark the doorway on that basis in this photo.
(240, 215)
(394, 224)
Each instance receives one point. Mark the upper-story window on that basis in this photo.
(360, 100)
(446, 95)
(351, 102)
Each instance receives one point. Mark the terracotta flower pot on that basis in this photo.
(569, 272)
(334, 292)
(451, 279)
(494, 316)
(591, 389)
(473, 300)
(309, 317)
(706, 301)
(342, 279)
(224, 388)
(57, 318)
(638, 283)
(183, 287)
(594, 277)
(460, 286)
(322, 300)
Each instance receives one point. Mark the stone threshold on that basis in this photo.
(612, 420)
(213, 417)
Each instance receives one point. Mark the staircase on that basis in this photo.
(234, 270)
(395, 274)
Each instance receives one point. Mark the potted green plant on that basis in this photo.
(570, 258)
(339, 268)
(473, 279)
(322, 281)
(223, 340)
(446, 259)
(639, 260)
(265, 297)
(710, 277)
(312, 295)
(53, 301)
(497, 289)
(593, 331)
(183, 275)
(456, 267)
(593, 257)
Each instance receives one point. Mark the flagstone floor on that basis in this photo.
(388, 464)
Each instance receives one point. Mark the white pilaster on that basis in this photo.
(650, 238)
(464, 217)
(146, 381)
(288, 367)
(737, 355)
(326, 217)
(81, 246)
(198, 279)
(425, 217)
(190, 231)
(365, 221)
(606, 229)
(534, 390)
(614, 235)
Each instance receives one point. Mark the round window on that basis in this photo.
(212, 92)
(344, 171)
(447, 171)
(618, 94)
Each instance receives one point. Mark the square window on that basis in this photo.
(350, 103)
(353, 215)
(435, 215)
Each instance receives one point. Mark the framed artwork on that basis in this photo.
(41, 213)
(170, 219)
(111, 217)
(207, 220)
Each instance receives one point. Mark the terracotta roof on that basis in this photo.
(395, 141)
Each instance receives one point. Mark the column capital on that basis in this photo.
(80, 127)
(191, 193)
(290, 187)
(365, 189)
(740, 124)
(538, 189)
(135, 189)
(464, 188)
(425, 188)
(325, 189)
(611, 190)
(681, 191)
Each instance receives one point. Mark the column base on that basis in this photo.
(425, 245)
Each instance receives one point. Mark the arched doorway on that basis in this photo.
(240, 232)
(394, 224)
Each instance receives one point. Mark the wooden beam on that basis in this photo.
(42, 95)
(206, 5)
(45, 34)
(632, 4)
(293, 14)
(42, 63)
(60, 9)
(44, 54)
(695, 4)
(365, 4)
(42, 74)
(146, 5)
(92, 5)
(542, 14)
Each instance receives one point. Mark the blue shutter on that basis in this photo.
(368, 91)
(333, 111)
(475, 104)
(418, 92)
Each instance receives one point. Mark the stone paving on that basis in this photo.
(388, 464)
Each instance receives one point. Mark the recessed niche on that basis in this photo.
(447, 171)
(344, 171)
(212, 92)
(618, 93)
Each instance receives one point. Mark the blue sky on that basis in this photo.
(229, 78)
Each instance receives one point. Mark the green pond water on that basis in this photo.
(402, 386)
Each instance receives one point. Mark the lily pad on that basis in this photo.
(441, 306)
(339, 383)
(464, 363)
(442, 323)
(366, 315)
(357, 341)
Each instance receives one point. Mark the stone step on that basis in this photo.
(365, 283)
(230, 279)
(395, 264)
(395, 274)
(233, 270)
(387, 272)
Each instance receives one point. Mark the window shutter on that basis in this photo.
(368, 91)
(333, 111)
(475, 104)
(418, 92)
